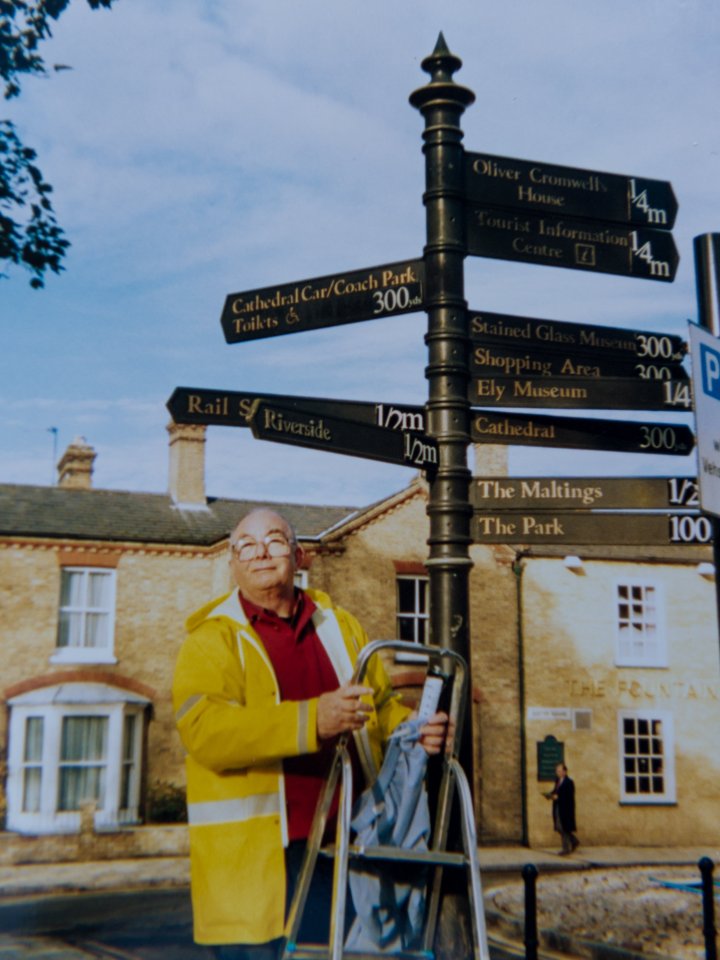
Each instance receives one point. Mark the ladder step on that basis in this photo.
(308, 951)
(443, 858)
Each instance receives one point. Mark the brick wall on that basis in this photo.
(569, 639)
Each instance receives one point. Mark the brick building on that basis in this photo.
(608, 654)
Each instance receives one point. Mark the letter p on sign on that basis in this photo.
(710, 370)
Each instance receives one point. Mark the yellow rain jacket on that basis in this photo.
(237, 731)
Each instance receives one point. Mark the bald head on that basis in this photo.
(267, 519)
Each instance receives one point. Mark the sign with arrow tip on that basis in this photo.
(384, 291)
(513, 360)
(577, 244)
(569, 191)
(584, 493)
(232, 408)
(336, 435)
(645, 346)
(583, 433)
(590, 528)
(598, 393)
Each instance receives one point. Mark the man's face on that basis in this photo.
(263, 572)
(560, 771)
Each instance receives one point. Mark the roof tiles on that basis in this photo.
(114, 515)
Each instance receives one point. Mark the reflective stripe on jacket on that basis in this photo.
(237, 731)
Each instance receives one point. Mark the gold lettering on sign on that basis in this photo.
(506, 428)
(551, 334)
(603, 235)
(535, 527)
(485, 167)
(392, 279)
(572, 368)
(277, 422)
(510, 365)
(530, 195)
(496, 221)
(591, 182)
(493, 490)
(497, 328)
(527, 388)
(218, 406)
(590, 338)
(521, 245)
(559, 490)
(495, 526)
(254, 323)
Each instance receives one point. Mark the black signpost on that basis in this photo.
(568, 191)
(384, 291)
(442, 103)
(498, 207)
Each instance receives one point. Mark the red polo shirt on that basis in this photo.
(303, 671)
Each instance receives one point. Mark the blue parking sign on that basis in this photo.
(710, 370)
(705, 355)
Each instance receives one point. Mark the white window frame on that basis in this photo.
(39, 703)
(417, 615)
(653, 652)
(82, 654)
(129, 812)
(34, 764)
(668, 740)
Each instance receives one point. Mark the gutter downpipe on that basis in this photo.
(517, 569)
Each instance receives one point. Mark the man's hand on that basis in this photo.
(342, 710)
(432, 734)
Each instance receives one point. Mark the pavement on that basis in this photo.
(512, 859)
(22, 881)
(33, 879)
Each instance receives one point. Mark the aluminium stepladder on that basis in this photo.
(453, 783)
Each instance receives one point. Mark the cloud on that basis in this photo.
(201, 149)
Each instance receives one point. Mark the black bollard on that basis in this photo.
(706, 871)
(529, 875)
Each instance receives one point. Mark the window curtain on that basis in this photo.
(83, 761)
(84, 608)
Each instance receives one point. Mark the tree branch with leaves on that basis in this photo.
(30, 236)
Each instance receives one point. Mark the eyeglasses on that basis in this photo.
(275, 544)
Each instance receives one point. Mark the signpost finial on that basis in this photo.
(441, 65)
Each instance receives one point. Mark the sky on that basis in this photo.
(198, 149)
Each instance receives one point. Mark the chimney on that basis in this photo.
(75, 467)
(187, 463)
(491, 460)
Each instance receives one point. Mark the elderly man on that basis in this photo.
(261, 693)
